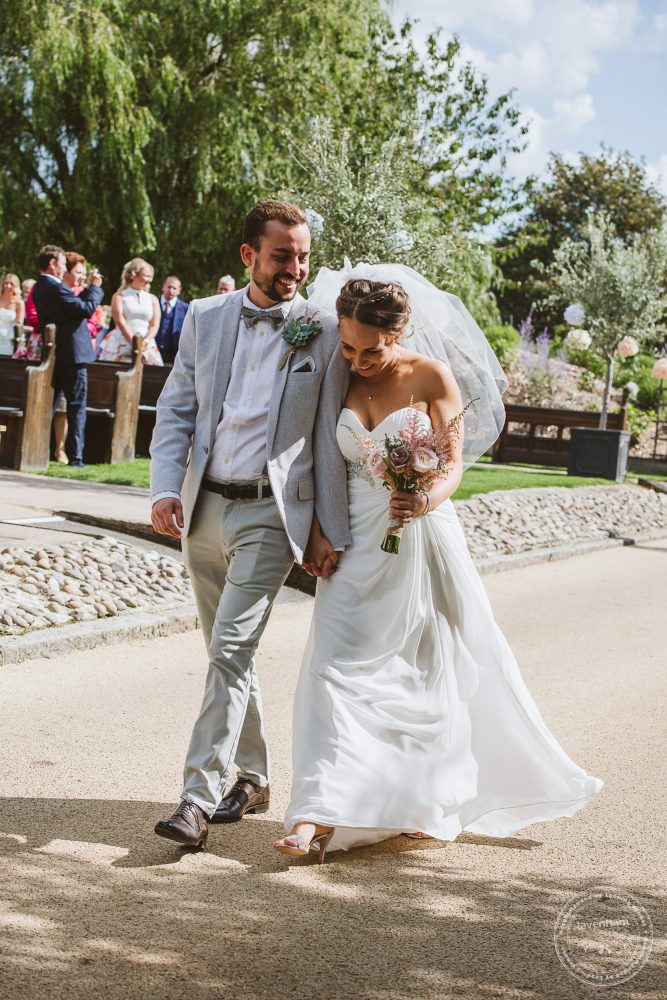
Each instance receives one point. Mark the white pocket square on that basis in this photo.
(307, 365)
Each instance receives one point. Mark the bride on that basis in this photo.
(411, 715)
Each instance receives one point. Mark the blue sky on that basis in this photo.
(584, 71)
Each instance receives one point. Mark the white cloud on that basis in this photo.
(657, 173)
(571, 115)
(547, 51)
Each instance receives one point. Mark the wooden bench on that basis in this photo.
(151, 386)
(542, 449)
(26, 402)
(112, 408)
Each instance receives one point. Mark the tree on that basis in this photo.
(560, 209)
(370, 210)
(620, 285)
(152, 129)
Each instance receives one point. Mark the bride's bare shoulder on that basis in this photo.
(429, 369)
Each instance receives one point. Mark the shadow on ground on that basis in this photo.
(93, 902)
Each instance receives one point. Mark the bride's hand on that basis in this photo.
(406, 506)
(320, 557)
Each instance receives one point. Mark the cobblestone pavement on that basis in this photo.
(82, 581)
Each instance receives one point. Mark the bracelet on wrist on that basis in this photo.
(428, 502)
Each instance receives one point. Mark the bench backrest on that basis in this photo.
(517, 446)
(153, 382)
(26, 387)
(12, 377)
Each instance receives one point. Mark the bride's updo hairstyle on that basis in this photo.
(383, 304)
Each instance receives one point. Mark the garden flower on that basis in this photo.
(578, 340)
(632, 388)
(627, 347)
(659, 369)
(574, 314)
(315, 222)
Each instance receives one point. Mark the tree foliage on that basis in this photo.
(620, 284)
(560, 209)
(151, 130)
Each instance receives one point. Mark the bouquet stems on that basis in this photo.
(392, 539)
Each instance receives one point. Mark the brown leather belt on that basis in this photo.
(257, 490)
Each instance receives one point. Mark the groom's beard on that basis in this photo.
(269, 284)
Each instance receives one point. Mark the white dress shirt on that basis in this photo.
(167, 306)
(239, 447)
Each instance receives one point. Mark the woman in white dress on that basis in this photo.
(411, 715)
(12, 311)
(135, 312)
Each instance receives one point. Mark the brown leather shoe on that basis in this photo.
(186, 826)
(244, 797)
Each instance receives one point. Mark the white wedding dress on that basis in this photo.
(410, 712)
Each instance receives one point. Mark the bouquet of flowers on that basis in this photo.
(410, 461)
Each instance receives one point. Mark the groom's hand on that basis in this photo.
(320, 557)
(167, 516)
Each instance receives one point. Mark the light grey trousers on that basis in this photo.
(238, 557)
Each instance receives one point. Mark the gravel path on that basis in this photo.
(94, 905)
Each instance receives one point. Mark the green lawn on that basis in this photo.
(478, 479)
(125, 474)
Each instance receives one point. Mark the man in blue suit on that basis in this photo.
(173, 311)
(56, 303)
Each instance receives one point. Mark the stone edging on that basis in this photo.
(106, 631)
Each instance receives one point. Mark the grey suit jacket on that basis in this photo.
(304, 464)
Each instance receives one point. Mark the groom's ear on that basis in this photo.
(247, 254)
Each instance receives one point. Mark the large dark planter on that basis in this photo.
(594, 452)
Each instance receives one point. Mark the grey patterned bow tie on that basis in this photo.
(253, 316)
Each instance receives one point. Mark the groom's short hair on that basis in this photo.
(270, 211)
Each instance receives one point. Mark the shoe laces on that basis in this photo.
(186, 807)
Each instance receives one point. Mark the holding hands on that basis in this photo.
(320, 557)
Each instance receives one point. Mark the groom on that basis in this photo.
(243, 454)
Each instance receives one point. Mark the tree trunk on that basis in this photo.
(607, 391)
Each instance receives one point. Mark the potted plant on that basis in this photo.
(617, 287)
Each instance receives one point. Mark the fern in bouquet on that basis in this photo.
(411, 461)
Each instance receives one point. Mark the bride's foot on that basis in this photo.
(303, 838)
(419, 836)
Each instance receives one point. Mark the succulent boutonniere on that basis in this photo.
(298, 333)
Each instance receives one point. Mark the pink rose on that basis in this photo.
(659, 369)
(400, 457)
(376, 462)
(425, 460)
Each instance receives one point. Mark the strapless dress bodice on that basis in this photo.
(350, 428)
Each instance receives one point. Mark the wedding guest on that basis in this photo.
(172, 314)
(226, 285)
(135, 312)
(55, 303)
(12, 311)
(75, 278)
(31, 318)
